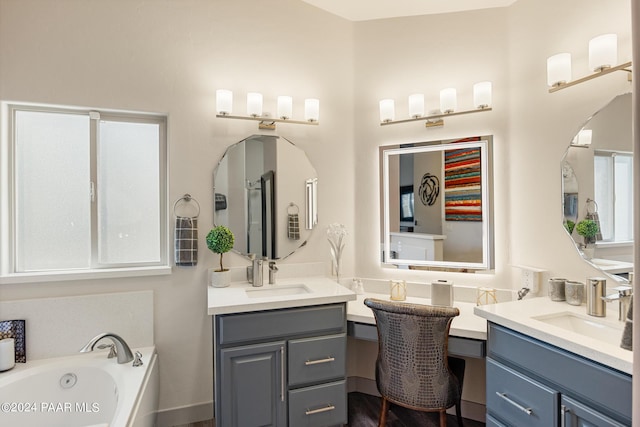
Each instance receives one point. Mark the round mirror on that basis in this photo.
(597, 186)
(264, 192)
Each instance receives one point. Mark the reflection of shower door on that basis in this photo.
(267, 185)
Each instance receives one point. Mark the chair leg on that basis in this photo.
(383, 412)
(459, 414)
(443, 418)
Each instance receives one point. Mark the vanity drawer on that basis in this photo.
(518, 400)
(273, 324)
(492, 422)
(317, 359)
(321, 405)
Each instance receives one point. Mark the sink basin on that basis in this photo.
(589, 326)
(268, 291)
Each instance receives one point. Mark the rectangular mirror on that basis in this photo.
(437, 205)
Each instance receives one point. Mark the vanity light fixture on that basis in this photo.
(224, 108)
(603, 55)
(448, 106)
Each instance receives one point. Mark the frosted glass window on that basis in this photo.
(52, 191)
(613, 191)
(128, 193)
(88, 190)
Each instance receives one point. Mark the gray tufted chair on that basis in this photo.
(413, 369)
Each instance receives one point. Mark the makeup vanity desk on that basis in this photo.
(467, 336)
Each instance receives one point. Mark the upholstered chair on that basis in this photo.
(413, 369)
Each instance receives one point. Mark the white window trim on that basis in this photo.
(8, 275)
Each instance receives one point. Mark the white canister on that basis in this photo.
(7, 354)
(442, 293)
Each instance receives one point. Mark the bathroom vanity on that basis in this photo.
(549, 364)
(280, 353)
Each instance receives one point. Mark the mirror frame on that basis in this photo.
(485, 145)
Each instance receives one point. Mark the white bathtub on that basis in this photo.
(80, 391)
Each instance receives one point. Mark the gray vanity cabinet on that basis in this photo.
(532, 383)
(281, 367)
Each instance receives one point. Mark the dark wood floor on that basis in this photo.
(364, 410)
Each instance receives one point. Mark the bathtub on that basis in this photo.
(81, 390)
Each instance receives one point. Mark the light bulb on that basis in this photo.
(387, 110)
(312, 110)
(224, 102)
(254, 104)
(285, 107)
(416, 105)
(482, 95)
(558, 69)
(448, 100)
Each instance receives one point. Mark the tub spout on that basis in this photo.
(123, 352)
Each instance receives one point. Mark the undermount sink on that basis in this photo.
(277, 291)
(589, 326)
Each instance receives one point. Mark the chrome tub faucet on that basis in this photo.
(123, 351)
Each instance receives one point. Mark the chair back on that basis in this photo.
(412, 367)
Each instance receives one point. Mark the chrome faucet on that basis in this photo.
(623, 296)
(123, 352)
(261, 270)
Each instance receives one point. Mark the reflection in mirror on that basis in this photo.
(437, 207)
(262, 194)
(597, 185)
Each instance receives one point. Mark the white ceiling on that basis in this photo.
(363, 10)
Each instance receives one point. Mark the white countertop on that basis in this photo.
(518, 315)
(467, 325)
(234, 299)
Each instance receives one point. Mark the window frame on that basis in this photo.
(8, 197)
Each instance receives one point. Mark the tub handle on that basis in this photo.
(112, 350)
(137, 359)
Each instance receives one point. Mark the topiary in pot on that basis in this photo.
(569, 226)
(220, 241)
(588, 229)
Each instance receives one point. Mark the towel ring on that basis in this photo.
(187, 198)
(292, 205)
(590, 203)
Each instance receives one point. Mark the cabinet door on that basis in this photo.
(252, 386)
(575, 414)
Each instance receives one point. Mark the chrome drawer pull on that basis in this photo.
(563, 415)
(315, 362)
(319, 410)
(527, 411)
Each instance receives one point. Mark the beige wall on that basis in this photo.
(170, 56)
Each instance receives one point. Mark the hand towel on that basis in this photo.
(186, 241)
(293, 226)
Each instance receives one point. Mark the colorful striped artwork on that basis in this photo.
(462, 185)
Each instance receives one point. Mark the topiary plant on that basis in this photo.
(588, 229)
(569, 225)
(220, 240)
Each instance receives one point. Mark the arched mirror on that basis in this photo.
(597, 187)
(265, 192)
(437, 205)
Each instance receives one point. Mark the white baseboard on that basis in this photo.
(471, 410)
(185, 414)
